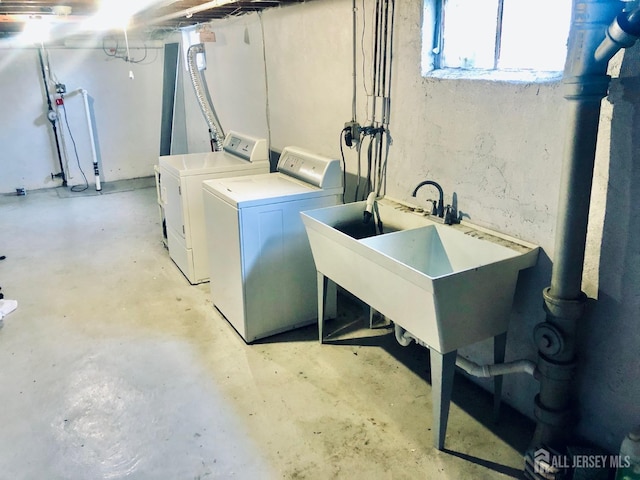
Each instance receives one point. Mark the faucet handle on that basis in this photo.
(451, 215)
(434, 210)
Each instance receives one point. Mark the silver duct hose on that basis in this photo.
(204, 99)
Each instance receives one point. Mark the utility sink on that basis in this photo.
(450, 289)
(447, 285)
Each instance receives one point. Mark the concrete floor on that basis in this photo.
(113, 366)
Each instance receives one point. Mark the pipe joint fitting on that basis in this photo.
(556, 418)
(403, 337)
(557, 371)
(623, 32)
(548, 338)
(561, 308)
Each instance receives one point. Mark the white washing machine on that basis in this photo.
(263, 278)
(179, 179)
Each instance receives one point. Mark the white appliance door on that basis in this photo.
(173, 206)
(280, 279)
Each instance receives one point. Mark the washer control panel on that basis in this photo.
(246, 147)
(319, 171)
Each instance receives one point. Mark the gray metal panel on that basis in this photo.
(169, 81)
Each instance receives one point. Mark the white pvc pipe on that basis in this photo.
(487, 371)
(94, 155)
(404, 338)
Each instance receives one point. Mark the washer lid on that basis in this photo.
(263, 189)
(206, 163)
(240, 152)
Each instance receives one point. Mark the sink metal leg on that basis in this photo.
(443, 367)
(322, 298)
(499, 349)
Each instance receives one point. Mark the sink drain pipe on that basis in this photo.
(596, 35)
(404, 338)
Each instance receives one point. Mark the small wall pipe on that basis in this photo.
(94, 155)
(496, 370)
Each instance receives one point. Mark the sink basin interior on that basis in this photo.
(438, 250)
(348, 219)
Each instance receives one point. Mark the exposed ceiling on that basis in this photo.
(161, 14)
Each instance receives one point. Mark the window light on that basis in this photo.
(496, 34)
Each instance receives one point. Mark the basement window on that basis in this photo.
(478, 38)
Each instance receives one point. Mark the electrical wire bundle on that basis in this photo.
(374, 138)
(122, 52)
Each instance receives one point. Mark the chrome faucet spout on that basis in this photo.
(440, 207)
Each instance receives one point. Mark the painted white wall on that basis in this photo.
(127, 116)
(308, 77)
(235, 76)
(497, 145)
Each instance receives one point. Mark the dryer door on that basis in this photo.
(173, 203)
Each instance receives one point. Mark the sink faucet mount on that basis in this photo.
(440, 205)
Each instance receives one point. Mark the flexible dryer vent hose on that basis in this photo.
(204, 99)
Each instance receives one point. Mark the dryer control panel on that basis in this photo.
(319, 171)
(243, 146)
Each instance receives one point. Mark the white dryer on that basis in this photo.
(179, 179)
(263, 278)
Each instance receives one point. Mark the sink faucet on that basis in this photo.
(440, 206)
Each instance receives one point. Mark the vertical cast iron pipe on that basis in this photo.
(585, 83)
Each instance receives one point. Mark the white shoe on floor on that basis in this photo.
(6, 307)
